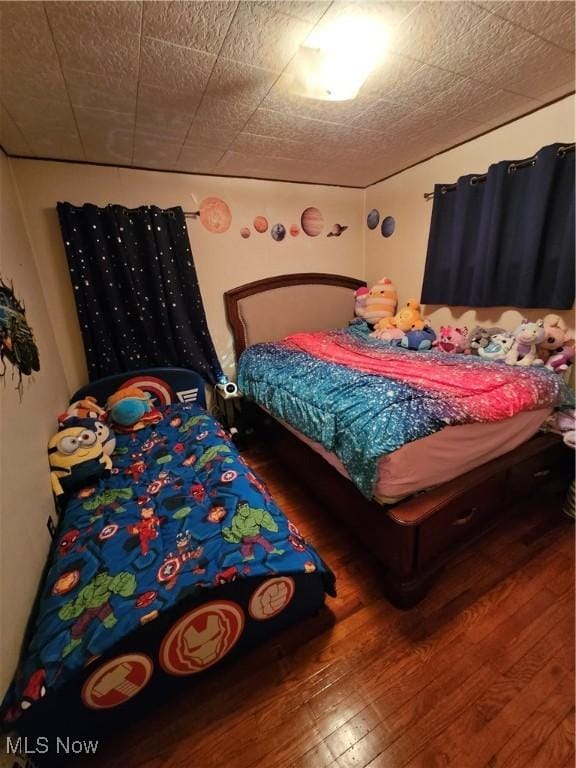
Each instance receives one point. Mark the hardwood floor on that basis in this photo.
(479, 675)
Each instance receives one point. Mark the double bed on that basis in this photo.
(177, 562)
(453, 448)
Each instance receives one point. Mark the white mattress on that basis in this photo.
(440, 457)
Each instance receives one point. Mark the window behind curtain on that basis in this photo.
(506, 238)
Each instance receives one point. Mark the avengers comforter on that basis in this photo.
(362, 398)
(176, 561)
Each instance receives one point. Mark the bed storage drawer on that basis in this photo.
(468, 513)
(544, 471)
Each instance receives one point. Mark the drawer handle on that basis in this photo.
(465, 517)
(542, 473)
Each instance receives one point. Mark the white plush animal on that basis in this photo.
(497, 348)
(526, 337)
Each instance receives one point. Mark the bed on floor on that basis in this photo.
(178, 561)
(430, 469)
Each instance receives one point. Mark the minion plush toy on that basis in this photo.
(76, 459)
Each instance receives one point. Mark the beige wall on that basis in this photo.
(25, 426)
(402, 256)
(222, 261)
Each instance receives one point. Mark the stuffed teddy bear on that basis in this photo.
(479, 338)
(498, 347)
(419, 340)
(76, 459)
(555, 337)
(527, 336)
(380, 302)
(407, 319)
(453, 340)
(360, 298)
(130, 408)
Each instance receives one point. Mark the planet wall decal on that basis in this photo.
(260, 224)
(373, 218)
(294, 230)
(388, 226)
(245, 233)
(215, 216)
(278, 232)
(337, 230)
(312, 222)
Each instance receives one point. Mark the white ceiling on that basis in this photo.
(200, 86)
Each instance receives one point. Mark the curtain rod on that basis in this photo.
(512, 168)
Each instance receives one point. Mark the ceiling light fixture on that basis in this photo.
(336, 60)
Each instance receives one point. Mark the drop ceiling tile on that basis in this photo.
(455, 100)
(117, 94)
(557, 92)
(263, 38)
(11, 137)
(25, 34)
(266, 122)
(124, 15)
(300, 9)
(199, 25)
(553, 21)
(101, 50)
(235, 163)
(390, 79)
(165, 124)
(530, 69)
(266, 146)
(236, 80)
(227, 113)
(495, 106)
(196, 158)
(383, 116)
(55, 134)
(151, 151)
(434, 27)
(172, 66)
(107, 137)
(185, 102)
(239, 164)
(27, 77)
(205, 135)
(491, 38)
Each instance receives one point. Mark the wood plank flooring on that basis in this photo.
(480, 675)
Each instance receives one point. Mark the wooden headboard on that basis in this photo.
(270, 309)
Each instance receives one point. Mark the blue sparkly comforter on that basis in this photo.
(362, 398)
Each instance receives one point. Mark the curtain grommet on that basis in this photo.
(561, 152)
(512, 168)
(473, 181)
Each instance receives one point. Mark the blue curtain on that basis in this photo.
(136, 290)
(505, 238)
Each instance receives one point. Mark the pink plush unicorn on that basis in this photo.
(452, 339)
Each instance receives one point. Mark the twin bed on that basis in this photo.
(127, 613)
(438, 446)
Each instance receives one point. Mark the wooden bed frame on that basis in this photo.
(416, 537)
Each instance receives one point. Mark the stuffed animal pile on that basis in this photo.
(544, 342)
(80, 452)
